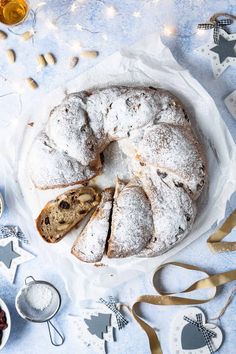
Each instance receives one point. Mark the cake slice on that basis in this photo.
(59, 216)
(173, 215)
(132, 222)
(90, 244)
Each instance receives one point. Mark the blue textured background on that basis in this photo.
(123, 29)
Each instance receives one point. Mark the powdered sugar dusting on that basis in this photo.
(173, 215)
(38, 296)
(174, 150)
(132, 223)
(69, 129)
(50, 167)
(155, 142)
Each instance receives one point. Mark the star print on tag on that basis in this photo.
(221, 55)
(11, 255)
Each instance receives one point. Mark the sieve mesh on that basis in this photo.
(26, 311)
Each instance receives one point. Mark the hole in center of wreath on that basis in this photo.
(114, 164)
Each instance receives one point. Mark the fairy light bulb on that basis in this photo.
(18, 87)
(169, 31)
(136, 14)
(110, 11)
(104, 36)
(200, 32)
(51, 25)
(73, 7)
(41, 4)
(76, 46)
(78, 27)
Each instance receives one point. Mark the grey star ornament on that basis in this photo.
(225, 49)
(221, 55)
(11, 256)
(7, 254)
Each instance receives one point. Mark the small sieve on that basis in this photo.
(26, 311)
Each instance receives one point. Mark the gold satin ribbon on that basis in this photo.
(215, 241)
(212, 281)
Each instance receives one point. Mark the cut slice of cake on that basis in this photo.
(90, 244)
(59, 216)
(132, 222)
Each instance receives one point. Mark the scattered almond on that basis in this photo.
(3, 35)
(50, 58)
(31, 124)
(62, 227)
(11, 55)
(27, 35)
(90, 54)
(73, 62)
(85, 198)
(32, 83)
(42, 61)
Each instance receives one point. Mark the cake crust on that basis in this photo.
(156, 208)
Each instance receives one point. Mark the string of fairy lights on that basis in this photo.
(109, 11)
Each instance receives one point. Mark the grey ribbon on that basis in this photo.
(207, 333)
(216, 25)
(111, 304)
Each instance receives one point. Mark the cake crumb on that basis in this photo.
(99, 265)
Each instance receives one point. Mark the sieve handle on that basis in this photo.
(49, 323)
(31, 280)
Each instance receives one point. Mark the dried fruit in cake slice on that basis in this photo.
(90, 244)
(59, 216)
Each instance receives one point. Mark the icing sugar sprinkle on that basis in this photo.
(39, 296)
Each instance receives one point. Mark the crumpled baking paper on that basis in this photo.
(147, 63)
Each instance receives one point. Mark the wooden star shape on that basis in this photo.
(7, 254)
(12, 255)
(221, 55)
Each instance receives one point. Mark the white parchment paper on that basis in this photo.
(148, 63)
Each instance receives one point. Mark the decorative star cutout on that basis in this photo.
(221, 55)
(225, 49)
(12, 255)
(7, 254)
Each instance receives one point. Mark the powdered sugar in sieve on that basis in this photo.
(39, 296)
(39, 301)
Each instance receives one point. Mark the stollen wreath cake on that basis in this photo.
(144, 216)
